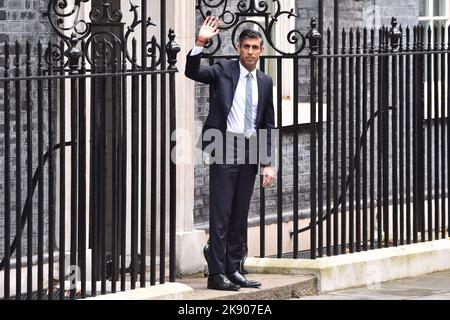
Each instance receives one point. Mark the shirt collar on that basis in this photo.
(244, 72)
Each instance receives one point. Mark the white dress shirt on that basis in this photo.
(236, 117)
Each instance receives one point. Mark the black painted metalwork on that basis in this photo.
(392, 79)
(314, 39)
(376, 94)
(245, 11)
(94, 218)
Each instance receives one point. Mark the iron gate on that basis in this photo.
(99, 111)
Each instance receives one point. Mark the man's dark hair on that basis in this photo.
(250, 34)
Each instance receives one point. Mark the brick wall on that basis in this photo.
(21, 20)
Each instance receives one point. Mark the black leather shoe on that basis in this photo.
(220, 282)
(240, 280)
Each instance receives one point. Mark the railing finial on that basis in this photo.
(172, 49)
(395, 34)
(314, 37)
(73, 53)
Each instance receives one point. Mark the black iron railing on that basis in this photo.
(386, 134)
(70, 230)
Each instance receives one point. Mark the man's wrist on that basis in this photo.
(201, 42)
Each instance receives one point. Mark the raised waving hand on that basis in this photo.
(209, 29)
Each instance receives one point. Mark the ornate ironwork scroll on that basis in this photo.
(245, 11)
(106, 14)
(64, 16)
(65, 20)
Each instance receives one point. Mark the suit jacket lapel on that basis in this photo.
(260, 95)
(235, 73)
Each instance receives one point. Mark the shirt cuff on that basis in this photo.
(196, 50)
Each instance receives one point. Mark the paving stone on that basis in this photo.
(274, 287)
(435, 286)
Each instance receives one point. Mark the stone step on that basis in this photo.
(274, 287)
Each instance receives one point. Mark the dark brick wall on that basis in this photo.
(22, 20)
(353, 13)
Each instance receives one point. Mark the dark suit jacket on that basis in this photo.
(224, 76)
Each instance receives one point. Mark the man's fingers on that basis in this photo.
(210, 20)
(215, 23)
(267, 181)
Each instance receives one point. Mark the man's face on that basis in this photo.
(249, 52)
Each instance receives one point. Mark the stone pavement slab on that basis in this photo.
(435, 286)
(274, 287)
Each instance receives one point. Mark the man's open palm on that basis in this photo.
(209, 29)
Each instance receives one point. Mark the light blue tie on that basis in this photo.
(248, 124)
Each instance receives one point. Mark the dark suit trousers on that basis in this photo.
(231, 187)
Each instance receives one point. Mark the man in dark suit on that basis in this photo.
(242, 108)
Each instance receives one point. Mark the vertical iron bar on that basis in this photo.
(163, 185)
(328, 147)
(313, 158)
(343, 197)
(364, 141)
(262, 193)
(336, 26)
(408, 136)
(153, 199)
(173, 176)
(123, 170)
(401, 141)
(295, 150)
(336, 144)
(51, 177)
(94, 180)
(415, 94)
(320, 159)
(103, 167)
(280, 161)
(29, 176)
(358, 142)
(262, 200)
(335, 129)
(436, 137)
(443, 129)
(448, 129)
(385, 139)
(394, 128)
(82, 176)
(62, 183)
(429, 152)
(115, 176)
(7, 225)
(416, 134)
(40, 277)
(134, 167)
(372, 139)
(18, 168)
(351, 141)
(143, 146)
(379, 140)
(74, 173)
(421, 138)
(320, 167)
